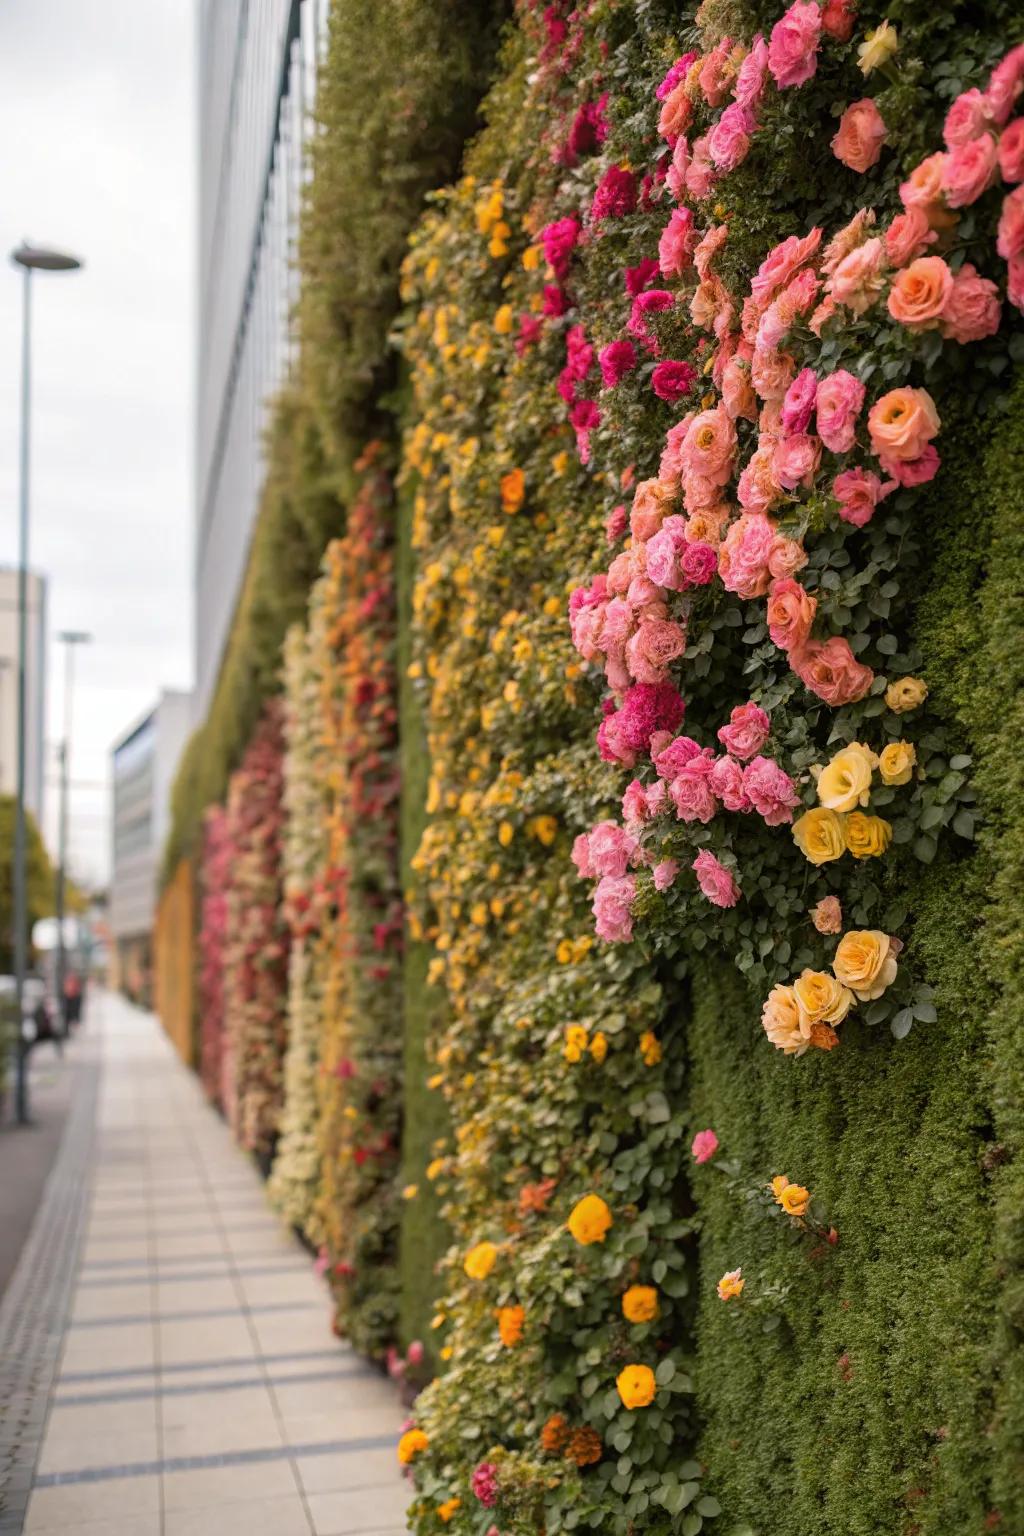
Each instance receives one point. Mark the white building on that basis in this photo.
(145, 761)
(35, 688)
(257, 79)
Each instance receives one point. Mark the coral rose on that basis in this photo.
(920, 292)
(862, 132)
(640, 1304)
(908, 235)
(782, 262)
(791, 610)
(837, 19)
(744, 554)
(864, 962)
(675, 248)
(906, 693)
(897, 762)
(970, 170)
(1005, 84)
(780, 1019)
(793, 44)
(590, 1220)
(830, 670)
(846, 782)
(479, 1261)
(827, 915)
(923, 190)
(820, 835)
(636, 1386)
(972, 310)
(730, 1287)
(737, 391)
(968, 118)
(902, 423)
(1010, 233)
(867, 837)
(709, 447)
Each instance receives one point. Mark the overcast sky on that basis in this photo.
(96, 120)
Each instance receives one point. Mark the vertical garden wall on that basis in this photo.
(650, 857)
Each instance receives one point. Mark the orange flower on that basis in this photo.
(510, 1325)
(731, 1285)
(794, 1199)
(590, 1220)
(584, 1446)
(513, 490)
(555, 1435)
(411, 1444)
(640, 1304)
(636, 1385)
(535, 1197)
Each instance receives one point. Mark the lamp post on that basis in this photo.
(30, 259)
(69, 638)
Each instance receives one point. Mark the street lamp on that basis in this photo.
(29, 258)
(69, 638)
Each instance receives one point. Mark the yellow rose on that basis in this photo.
(650, 1048)
(906, 693)
(599, 1047)
(504, 320)
(794, 1199)
(864, 962)
(480, 1261)
(411, 1444)
(640, 1304)
(878, 47)
(590, 1220)
(779, 1183)
(575, 1042)
(781, 1020)
(867, 837)
(636, 1386)
(897, 762)
(846, 782)
(821, 1000)
(819, 835)
(730, 1287)
(448, 1508)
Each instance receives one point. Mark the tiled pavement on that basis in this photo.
(165, 1357)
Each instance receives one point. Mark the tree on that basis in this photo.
(39, 873)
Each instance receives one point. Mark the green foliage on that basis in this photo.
(39, 878)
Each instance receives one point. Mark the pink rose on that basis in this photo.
(858, 492)
(758, 487)
(737, 391)
(556, 301)
(718, 885)
(791, 610)
(972, 310)
(726, 779)
(704, 1146)
(559, 241)
(798, 404)
(747, 731)
(1011, 151)
(671, 381)
(837, 19)
(1005, 84)
(744, 554)
(613, 900)
(652, 302)
(636, 279)
(968, 118)
(616, 359)
(858, 280)
(1010, 235)
(716, 73)
(611, 849)
(793, 45)
(675, 248)
(750, 80)
(657, 642)
(795, 460)
(1015, 282)
(709, 447)
(698, 563)
(691, 791)
(663, 551)
(677, 171)
(781, 263)
(729, 139)
(614, 196)
(665, 874)
(700, 172)
(671, 758)
(969, 171)
(771, 792)
(830, 670)
(908, 235)
(862, 132)
(913, 471)
(839, 403)
(647, 709)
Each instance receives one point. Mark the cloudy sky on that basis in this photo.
(96, 120)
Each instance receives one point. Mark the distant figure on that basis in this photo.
(72, 1000)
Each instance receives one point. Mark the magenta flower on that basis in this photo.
(671, 381)
(704, 1146)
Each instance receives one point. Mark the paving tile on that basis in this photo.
(84, 1452)
(93, 1303)
(359, 1510)
(341, 1423)
(266, 1517)
(250, 1404)
(206, 1437)
(219, 1338)
(336, 1472)
(124, 1525)
(61, 1508)
(206, 1487)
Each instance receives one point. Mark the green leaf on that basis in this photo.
(902, 1023)
(709, 1506)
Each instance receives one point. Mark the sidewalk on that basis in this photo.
(186, 1382)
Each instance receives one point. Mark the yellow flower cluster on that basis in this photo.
(806, 1012)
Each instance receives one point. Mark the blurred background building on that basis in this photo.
(35, 684)
(144, 765)
(257, 82)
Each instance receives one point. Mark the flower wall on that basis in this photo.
(360, 1049)
(256, 945)
(214, 876)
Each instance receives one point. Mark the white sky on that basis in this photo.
(97, 124)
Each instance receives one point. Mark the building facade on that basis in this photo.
(145, 761)
(258, 64)
(35, 689)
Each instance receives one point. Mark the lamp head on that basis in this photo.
(37, 258)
